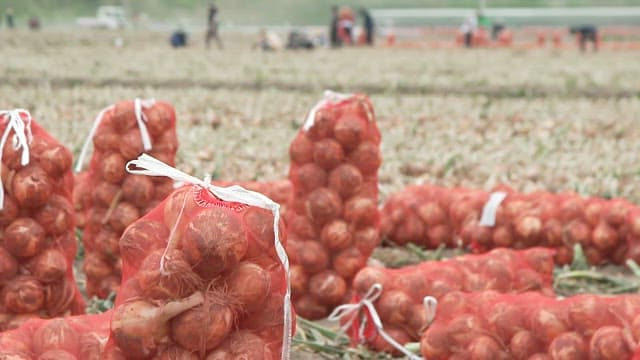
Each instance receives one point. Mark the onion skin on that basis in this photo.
(242, 345)
(56, 334)
(8, 266)
(434, 343)
(301, 150)
(328, 154)
(48, 266)
(568, 346)
(312, 256)
(485, 347)
(366, 157)
(349, 131)
(309, 177)
(104, 193)
(203, 327)
(361, 211)
(310, 308)
(608, 343)
(56, 217)
(24, 238)
(57, 355)
(394, 307)
(348, 262)
(23, 295)
(210, 257)
(9, 211)
(142, 237)
(55, 160)
(138, 189)
(345, 179)
(159, 118)
(322, 126)
(131, 146)
(59, 297)
(249, 285)
(524, 344)
(138, 326)
(123, 116)
(336, 235)
(178, 282)
(123, 215)
(328, 288)
(31, 187)
(112, 168)
(367, 277)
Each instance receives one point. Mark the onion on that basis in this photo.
(361, 211)
(176, 353)
(432, 214)
(617, 212)
(604, 237)
(138, 327)
(112, 168)
(214, 241)
(345, 179)
(634, 222)
(577, 232)
(123, 116)
(608, 343)
(301, 227)
(56, 334)
(57, 355)
(367, 277)
(14, 355)
(56, 217)
(48, 266)
(299, 280)
(24, 294)
(142, 237)
(123, 215)
(59, 297)
(131, 146)
(301, 150)
(328, 288)
(106, 243)
(205, 326)
(348, 262)
(434, 343)
(528, 227)
(349, 131)
(8, 266)
(310, 308)
(55, 160)
(104, 194)
(322, 125)
(587, 314)
(506, 319)
(485, 347)
(366, 157)
(366, 240)
(309, 177)
(249, 285)
(95, 266)
(312, 256)
(336, 235)
(394, 307)
(31, 187)
(528, 280)
(524, 344)
(541, 260)
(178, 281)
(553, 232)
(9, 211)
(159, 118)
(165, 147)
(259, 225)
(328, 154)
(410, 229)
(502, 236)
(571, 208)
(568, 346)
(106, 141)
(138, 190)
(399, 335)
(323, 205)
(242, 345)
(564, 255)
(593, 212)
(24, 237)
(547, 325)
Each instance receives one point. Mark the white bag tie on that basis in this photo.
(150, 166)
(22, 136)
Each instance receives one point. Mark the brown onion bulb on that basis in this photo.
(24, 237)
(56, 217)
(138, 190)
(24, 294)
(112, 168)
(48, 266)
(123, 215)
(31, 187)
(55, 160)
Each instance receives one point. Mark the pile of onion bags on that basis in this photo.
(201, 279)
(118, 198)
(279, 191)
(79, 337)
(400, 303)
(428, 215)
(38, 243)
(490, 325)
(333, 218)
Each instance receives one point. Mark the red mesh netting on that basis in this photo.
(38, 237)
(400, 304)
(70, 338)
(333, 217)
(221, 292)
(489, 325)
(118, 198)
(607, 230)
(279, 191)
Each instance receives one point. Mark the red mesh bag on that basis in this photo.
(202, 276)
(430, 215)
(121, 133)
(400, 301)
(38, 237)
(82, 195)
(70, 338)
(279, 191)
(333, 218)
(489, 325)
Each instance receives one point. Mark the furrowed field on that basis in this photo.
(535, 120)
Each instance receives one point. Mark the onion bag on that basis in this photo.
(400, 301)
(121, 133)
(82, 195)
(70, 338)
(279, 191)
(38, 243)
(202, 277)
(333, 218)
(489, 325)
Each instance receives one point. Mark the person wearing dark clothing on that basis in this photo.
(368, 25)
(178, 38)
(586, 33)
(8, 14)
(334, 40)
(212, 26)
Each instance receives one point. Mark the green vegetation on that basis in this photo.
(258, 12)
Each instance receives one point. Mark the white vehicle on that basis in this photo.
(107, 17)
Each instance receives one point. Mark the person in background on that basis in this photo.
(34, 23)
(467, 29)
(212, 26)
(346, 21)
(367, 25)
(8, 14)
(334, 40)
(586, 33)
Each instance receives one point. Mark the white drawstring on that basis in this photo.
(352, 311)
(330, 97)
(150, 166)
(21, 138)
(141, 119)
(490, 208)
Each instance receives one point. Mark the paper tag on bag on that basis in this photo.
(490, 208)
